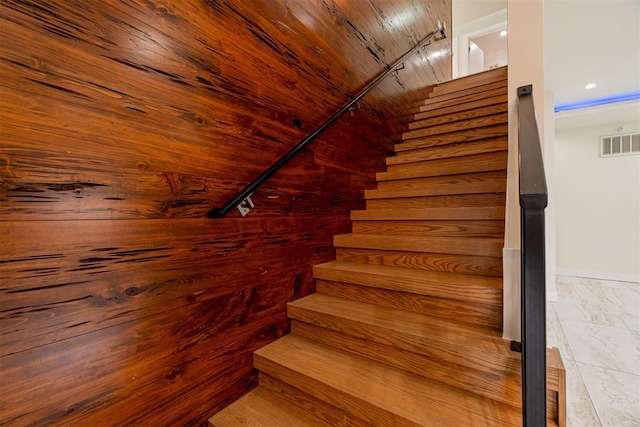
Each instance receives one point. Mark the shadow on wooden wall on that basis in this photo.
(122, 124)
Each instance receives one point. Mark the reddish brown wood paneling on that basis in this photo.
(121, 125)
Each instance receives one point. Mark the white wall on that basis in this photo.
(597, 206)
(487, 20)
(550, 211)
(526, 66)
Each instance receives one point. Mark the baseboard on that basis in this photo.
(552, 296)
(618, 277)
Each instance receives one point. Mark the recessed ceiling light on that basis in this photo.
(503, 33)
(590, 86)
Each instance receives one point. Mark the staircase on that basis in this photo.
(405, 327)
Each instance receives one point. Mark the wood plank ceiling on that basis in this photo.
(122, 124)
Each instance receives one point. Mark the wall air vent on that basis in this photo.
(620, 145)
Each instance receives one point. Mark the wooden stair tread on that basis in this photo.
(261, 408)
(449, 151)
(471, 80)
(470, 183)
(438, 201)
(408, 330)
(450, 166)
(455, 116)
(465, 106)
(466, 288)
(455, 126)
(437, 96)
(434, 228)
(435, 104)
(495, 131)
(482, 246)
(461, 213)
(375, 392)
(451, 263)
(466, 356)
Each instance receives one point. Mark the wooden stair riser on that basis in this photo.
(467, 106)
(431, 228)
(484, 162)
(469, 81)
(442, 201)
(468, 135)
(375, 393)
(465, 312)
(456, 126)
(448, 263)
(436, 96)
(449, 151)
(480, 246)
(322, 410)
(470, 183)
(475, 113)
(435, 104)
(431, 214)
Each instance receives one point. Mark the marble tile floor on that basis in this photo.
(596, 326)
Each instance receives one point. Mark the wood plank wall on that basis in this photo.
(122, 123)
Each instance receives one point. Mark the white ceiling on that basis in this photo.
(588, 41)
(585, 41)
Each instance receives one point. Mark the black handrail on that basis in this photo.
(533, 201)
(250, 188)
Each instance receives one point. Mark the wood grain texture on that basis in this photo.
(495, 131)
(454, 126)
(459, 213)
(395, 335)
(329, 413)
(436, 104)
(476, 314)
(440, 201)
(431, 228)
(374, 392)
(449, 151)
(470, 81)
(481, 246)
(466, 356)
(481, 182)
(452, 263)
(259, 407)
(121, 125)
(470, 163)
(473, 289)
